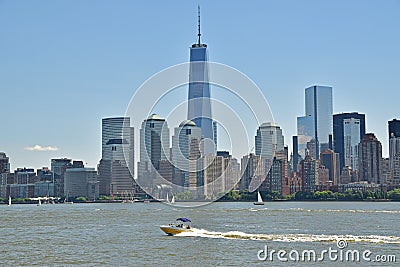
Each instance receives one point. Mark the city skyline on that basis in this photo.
(56, 95)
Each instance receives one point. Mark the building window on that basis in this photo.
(113, 148)
(188, 131)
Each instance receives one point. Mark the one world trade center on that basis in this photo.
(199, 103)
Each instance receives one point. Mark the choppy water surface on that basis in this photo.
(225, 234)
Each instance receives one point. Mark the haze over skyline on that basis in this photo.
(66, 65)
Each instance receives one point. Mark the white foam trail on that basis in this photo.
(292, 237)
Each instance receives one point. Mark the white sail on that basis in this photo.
(259, 198)
(173, 199)
(167, 198)
(9, 200)
(39, 203)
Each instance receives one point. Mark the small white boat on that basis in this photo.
(9, 200)
(181, 225)
(173, 199)
(66, 200)
(259, 199)
(39, 203)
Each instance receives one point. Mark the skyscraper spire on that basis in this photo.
(198, 13)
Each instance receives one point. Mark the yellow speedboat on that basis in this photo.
(181, 225)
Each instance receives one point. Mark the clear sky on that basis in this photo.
(64, 65)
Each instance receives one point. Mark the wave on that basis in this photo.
(334, 210)
(313, 210)
(292, 237)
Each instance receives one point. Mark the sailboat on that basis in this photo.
(259, 199)
(66, 200)
(173, 199)
(39, 203)
(9, 200)
(167, 198)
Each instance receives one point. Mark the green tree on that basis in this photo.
(81, 199)
(394, 194)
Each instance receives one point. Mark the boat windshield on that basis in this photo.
(183, 220)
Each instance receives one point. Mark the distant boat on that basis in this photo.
(259, 199)
(9, 200)
(66, 200)
(173, 199)
(168, 199)
(39, 203)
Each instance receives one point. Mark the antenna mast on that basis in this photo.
(198, 13)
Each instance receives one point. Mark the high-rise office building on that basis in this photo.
(323, 176)
(81, 182)
(253, 172)
(117, 163)
(317, 122)
(330, 160)
(199, 104)
(394, 149)
(220, 174)
(4, 163)
(295, 160)
(58, 169)
(274, 178)
(348, 131)
(312, 148)
(117, 130)
(154, 148)
(268, 141)
(309, 171)
(394, 128)
(304, 134)
(395, 179)
(4, 171)
(370, 158)
(214, 175)
(186, 148)
(394, 140)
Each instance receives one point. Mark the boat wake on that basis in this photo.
(292, 237)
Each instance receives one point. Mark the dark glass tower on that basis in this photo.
(295, 153)
(340, 123)
(199, 104)
(394, 128)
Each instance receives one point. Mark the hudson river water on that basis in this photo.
(226, 234)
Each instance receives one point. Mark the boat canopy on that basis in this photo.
(183, 220)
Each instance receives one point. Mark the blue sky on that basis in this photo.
(64, 65)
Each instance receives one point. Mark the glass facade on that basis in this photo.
(116, 167)
(268, 141)
(113, 129)
(345, 137)
(154, 142)
(186, 140)
(320, 108)
(305, 130)
(199, 104)
(394, 128)
(351, 140)
(394, 140)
